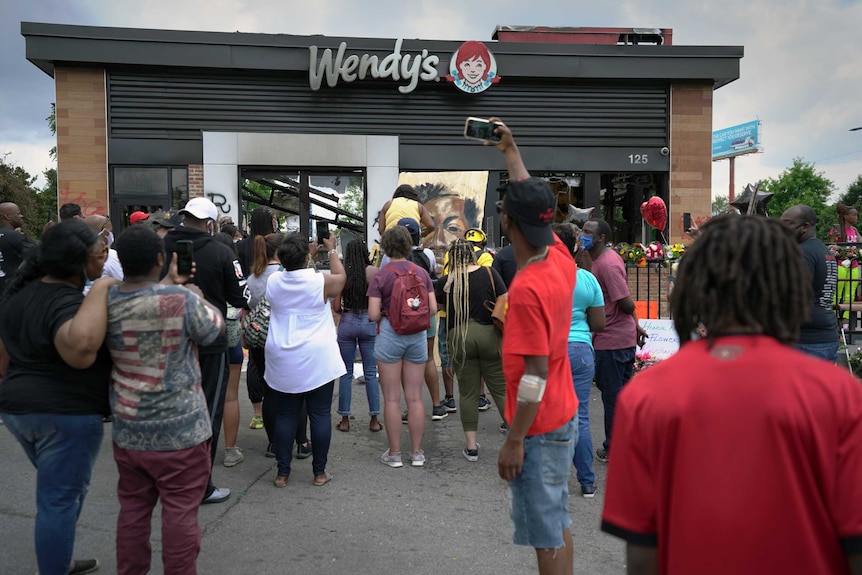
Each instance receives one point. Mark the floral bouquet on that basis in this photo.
(847, 256)
(674, 252)
(622, 249)
(655, 251)
(637, 255)
(644, 359)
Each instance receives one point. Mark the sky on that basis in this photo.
(801, 75)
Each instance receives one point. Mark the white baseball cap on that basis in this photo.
(201, 208)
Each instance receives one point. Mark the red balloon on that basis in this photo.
(654, 211)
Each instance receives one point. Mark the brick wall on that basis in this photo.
(196, 181)
(690, 155)
(82, 151)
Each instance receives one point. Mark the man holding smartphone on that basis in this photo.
(219, 277)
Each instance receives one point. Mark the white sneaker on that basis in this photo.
(232, 456)
(218, 495)
(391, 460)
(417, 458)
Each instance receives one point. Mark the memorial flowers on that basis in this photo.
(643, 360)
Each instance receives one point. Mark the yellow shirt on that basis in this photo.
(401, 208)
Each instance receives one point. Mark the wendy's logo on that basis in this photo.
(473, 68)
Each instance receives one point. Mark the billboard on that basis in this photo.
(736, 140)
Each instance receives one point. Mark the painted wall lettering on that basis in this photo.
(220, 202)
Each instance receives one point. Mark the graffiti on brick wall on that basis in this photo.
(89, 206)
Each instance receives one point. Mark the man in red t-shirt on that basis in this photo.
(540, 397)
(739, 454)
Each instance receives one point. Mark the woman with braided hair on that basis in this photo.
(354, 329)
(472, 339)
(848, 277)
(739, 403)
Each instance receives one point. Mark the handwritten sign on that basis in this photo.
(663, 340)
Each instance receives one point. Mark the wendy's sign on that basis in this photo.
(473, 68)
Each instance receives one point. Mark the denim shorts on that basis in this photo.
(538, 497)
(432, 331)
(442, 345)
(390, 347)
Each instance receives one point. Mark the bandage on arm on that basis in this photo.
(531, 388)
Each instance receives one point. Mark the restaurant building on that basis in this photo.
(148, 118)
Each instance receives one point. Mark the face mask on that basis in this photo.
(110, 239)
(586, 242)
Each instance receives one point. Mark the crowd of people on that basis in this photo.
(738, 453)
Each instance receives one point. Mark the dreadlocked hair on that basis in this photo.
(726, 282)
(265, 248)
(843, 212)
(461, 256)
(355, 261)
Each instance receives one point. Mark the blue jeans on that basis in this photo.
(318, 402)
(538, 497)
(613, 370)
(352, 329)
(827, 351)
(63, 448)
(583, 363)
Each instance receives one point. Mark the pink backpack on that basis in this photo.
(408, 309)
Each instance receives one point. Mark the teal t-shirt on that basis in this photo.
(587, 294)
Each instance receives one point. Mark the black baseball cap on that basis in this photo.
(531, 203)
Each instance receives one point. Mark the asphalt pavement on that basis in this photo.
(449, 517)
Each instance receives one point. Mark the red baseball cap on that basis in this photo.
(137, 217)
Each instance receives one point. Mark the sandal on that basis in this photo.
(343, 425)
(281, 481)
(327, 477)
(375, 429)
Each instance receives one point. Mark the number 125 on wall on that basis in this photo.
(638, 158)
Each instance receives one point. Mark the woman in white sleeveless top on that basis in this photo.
(302, 355)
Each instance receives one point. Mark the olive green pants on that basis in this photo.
(478, 358)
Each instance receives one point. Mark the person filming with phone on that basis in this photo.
(219, 277)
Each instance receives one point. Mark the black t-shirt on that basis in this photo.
(822, 326)
(13, 246)
(505, 264)
(38, 380)
(481, 290)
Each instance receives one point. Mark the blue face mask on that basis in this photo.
(586, 242)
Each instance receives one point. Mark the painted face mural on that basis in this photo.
(473, 68)
(455, 201)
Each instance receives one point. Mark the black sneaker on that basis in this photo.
(588, 491)
(471, 454)
(449, 403)
(602, 455)
(270, 450)
(404, 418)
(303, 450)
(484, 404)
(438, 412)
(504, 427)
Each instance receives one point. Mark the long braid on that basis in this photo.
(743, 273)
(461, 256)
(843, 211)
(355, 261)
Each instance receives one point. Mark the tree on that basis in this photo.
(45, 200)
(52, 125)
(801, 184)
(16, 186)
(353, 200)
(853, 195)
(719, 205)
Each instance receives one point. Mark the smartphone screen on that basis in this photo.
(185, 257)
(322, 231)
(686, 221)
(481, 129)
